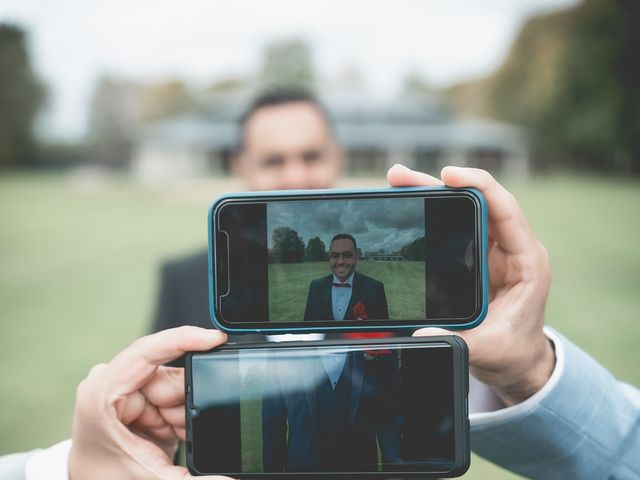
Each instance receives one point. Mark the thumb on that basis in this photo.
(432, 332)
(132, 367)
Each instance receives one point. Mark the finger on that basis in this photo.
(133, 367)
(467, 335)
(401, 176)
(210, 477)
(147, 418)
(174, 416)
(166, 387)
(508, 225)
(432, 332)
(181, 433)
(96, 370)
(174, 472)
(167, 345)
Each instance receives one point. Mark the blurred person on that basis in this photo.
(286, 142)
(540, 406)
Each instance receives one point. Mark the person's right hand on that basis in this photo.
(129, 413)
(508, 350)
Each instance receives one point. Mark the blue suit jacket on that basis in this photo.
(587, 426)
(290, 421)
(365, 290)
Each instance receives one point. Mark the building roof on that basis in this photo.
(360, 122)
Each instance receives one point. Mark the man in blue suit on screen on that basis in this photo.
(345, 294)
(349, 399)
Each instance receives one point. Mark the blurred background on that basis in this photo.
(118, 122)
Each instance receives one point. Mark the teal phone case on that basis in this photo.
(333, 326)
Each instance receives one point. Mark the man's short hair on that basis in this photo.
(276, 97)
(343, 236)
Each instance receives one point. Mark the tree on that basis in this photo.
(164, 99)
(573, 78)
(288, 247)
(287, 63)
(316, 250)
(113, 111)
(21, 96)
(414, 250)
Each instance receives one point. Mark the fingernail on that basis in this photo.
(214, 333)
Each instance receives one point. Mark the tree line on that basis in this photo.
(573, 79)
(289, 247)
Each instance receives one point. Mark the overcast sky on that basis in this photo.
(383, 223)
(74, 41)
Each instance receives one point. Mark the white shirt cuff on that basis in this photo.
(485, 406)
(49, 464)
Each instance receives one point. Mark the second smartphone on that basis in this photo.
(393, 408)
(305, 261)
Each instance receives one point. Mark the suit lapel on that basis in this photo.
(326, 298)
(357, 378)
(356, 295)
(308, 372)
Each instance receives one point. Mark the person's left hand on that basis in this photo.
(129, 413)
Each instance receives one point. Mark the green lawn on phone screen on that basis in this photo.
(404, 285)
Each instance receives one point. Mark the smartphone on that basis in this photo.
(334, 408)
(377, 260)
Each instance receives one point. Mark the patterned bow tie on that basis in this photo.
(342, 285)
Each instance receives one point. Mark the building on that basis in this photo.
(381, 257)
(420, 132)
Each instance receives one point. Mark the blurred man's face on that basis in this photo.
(342, 258)
(288, 146)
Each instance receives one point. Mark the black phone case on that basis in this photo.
(460, 396)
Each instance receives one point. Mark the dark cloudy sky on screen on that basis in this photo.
(384, 223)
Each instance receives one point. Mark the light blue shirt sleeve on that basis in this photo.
(586, 426)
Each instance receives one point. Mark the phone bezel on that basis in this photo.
(460, 369)
(378, 325)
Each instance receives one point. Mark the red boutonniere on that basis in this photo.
(359, 311)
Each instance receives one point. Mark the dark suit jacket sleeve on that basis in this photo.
(183, 294)
(384, 308)
(274, 426)
(310, 311)
(377, 299)
(166, 312)
(389, 431)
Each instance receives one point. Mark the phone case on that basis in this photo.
(334, 326)
(460, 407)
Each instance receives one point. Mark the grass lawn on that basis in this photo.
(289, 287)
(78, 274)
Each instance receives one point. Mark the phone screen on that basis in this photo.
(411, 258)
(367, 408)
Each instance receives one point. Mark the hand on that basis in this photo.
(508, 350)
(129, 413)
